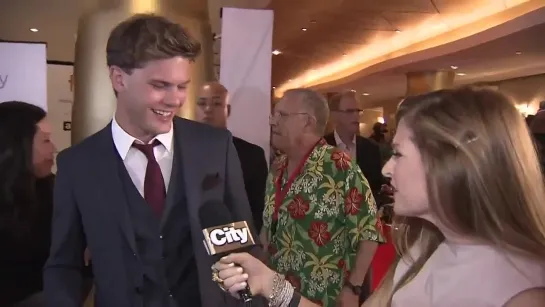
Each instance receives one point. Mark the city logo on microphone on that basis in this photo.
(226, 238)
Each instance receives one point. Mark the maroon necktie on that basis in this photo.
(154, 186)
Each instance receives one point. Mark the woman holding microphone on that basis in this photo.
(469, 205)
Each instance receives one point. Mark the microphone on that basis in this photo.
(223, 236)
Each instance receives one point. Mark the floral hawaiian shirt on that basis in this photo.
(315, 230)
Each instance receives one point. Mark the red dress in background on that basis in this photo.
(383, 259)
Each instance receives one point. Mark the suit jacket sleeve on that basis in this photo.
(237, 202)
(63, 270)
(256, 187)
(378, 169)
(375, 177)
(236, 199)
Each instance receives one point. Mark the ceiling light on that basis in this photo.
(365, 94)
(274, 87)
(518, 53)
(33, 30)
(289, 80)
(353, 91)
(304, 29)
(454, 67)
(313, 21)
(276, 52)
(460, 74)
(344, 54)
(398, 31)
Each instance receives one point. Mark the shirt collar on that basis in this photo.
(338, 140)
(123, 141)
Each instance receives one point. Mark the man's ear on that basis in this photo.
(228, 110)
(117, 76)
(311, 121)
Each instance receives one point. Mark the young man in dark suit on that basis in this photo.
(132, 192)
(213, 109)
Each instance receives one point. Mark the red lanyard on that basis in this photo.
(280, 193)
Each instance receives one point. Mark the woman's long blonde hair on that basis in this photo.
(483, 178)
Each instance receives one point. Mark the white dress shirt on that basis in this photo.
(348, 148)
(136, 162)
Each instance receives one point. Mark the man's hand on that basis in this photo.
(347, 298)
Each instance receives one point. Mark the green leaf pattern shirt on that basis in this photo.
(315, 232)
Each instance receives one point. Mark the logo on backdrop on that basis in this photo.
(3, 81)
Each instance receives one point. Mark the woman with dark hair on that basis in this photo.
(26, 188)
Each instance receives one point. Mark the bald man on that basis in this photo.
(213, 109)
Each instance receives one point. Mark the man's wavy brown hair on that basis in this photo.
(146, 37)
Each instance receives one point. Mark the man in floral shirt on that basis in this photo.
(320, 223)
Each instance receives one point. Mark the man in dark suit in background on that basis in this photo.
(132, 192)
(346, 114)
(213, 109)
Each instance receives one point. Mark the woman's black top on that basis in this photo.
(23, 254)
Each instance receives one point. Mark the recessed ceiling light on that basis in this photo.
(353, 91)
(274, 87)
(344, 54)
(304, 29)
(313, 21)
(276, 52)
(518, 53)
(289, 80)
(365, 94)
(454, 67)
(460, 74)
(33, 30)
(398, 31)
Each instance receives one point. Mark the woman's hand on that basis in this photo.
(250, 271)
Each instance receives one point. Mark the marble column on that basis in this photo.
(421, 82)
(94, 100)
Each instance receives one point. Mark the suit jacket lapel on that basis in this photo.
(359, 151)
(330, 138)
(173, 192)
(186, 159)
(107, 177)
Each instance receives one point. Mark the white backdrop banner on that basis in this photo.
(23, 72)
(60, 97)
(246, 46)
